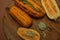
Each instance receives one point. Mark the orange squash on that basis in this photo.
(20, 16)
(36, 10)
(28, 34)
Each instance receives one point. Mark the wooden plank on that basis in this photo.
(10, 28)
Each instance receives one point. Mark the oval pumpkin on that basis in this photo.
(51, 8)
(20, 16)
(32, 8)
(28, 34)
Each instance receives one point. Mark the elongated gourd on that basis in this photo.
(36, 10)
(20, 16)
(28, 34)
(51, 9)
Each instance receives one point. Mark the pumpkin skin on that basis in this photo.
(51, 9)
(31, 8)
(28, 34)
(20, 16)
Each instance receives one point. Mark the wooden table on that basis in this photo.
(4, 4)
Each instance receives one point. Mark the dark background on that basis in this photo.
(3, 5)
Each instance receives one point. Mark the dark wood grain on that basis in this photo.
(10, 28)
(51, 35)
